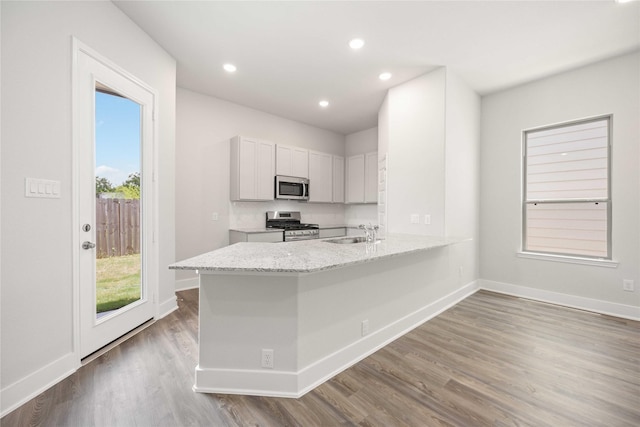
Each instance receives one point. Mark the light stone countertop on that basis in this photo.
(307, 256)
(257, 230)
(273, 230)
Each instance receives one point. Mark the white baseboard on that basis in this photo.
(185, 284)
(247, 382)
(296, 384)
(598, 306)
(25, 389)
(167, 307)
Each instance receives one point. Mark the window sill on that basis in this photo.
(569, 259)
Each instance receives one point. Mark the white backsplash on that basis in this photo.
(252, 214)
(361, 214)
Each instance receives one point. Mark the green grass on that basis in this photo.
(117, 282)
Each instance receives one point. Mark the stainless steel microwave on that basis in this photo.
(291, 188)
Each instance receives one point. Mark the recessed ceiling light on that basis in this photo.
(384, 76)
(356, 43)
(323, 103)
(229, 68)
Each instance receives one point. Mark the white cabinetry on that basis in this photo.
(338, 179)
(236, 236)
(292, 161)
(362, 178)
(371, 177)
(252, 169)
(320, 177)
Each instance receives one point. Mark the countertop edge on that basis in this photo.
(203, 269)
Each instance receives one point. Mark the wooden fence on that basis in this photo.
(117, 227)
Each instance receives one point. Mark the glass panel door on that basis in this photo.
(118, 206)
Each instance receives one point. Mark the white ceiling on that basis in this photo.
(292, 54)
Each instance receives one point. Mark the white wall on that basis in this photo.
(204, 126)
(462, 172)
(430, 129)
(36, 284)
(365, 141)
(361, 142)
(416, 150)
(609, 87)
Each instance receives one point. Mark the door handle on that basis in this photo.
(88, 245)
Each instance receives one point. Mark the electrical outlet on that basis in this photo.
(427, 219)
(267, 358)
(627, 285)
(214, 216)
(365, 327)
(415, 219)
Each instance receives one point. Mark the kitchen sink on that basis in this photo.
(346, 240)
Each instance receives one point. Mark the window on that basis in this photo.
(567, 199)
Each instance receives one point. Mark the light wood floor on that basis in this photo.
(490, 360)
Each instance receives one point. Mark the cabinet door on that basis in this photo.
(338, 179)
(300, 163)
(252, 169)
(320, 177)
(292, 161)
(284, 160)
(265, 167)
(355, 179)
(248, 154)
(371, 178)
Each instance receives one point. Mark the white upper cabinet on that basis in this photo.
(338, 179)
(371, 177)
(320, 177)
(292, 161)
(362, 178)
(252, 169)
(355, 179)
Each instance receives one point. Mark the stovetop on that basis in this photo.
(300, 226)
(287, 220)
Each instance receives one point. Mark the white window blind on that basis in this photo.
(567, 202)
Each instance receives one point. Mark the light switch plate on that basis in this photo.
(41, 188)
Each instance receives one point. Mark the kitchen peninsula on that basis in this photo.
(278, 319)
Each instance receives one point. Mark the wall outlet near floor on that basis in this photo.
(267, 358)
(627, 285)
(364, 329)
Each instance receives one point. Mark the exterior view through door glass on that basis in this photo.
(118, 209)
(116, 257)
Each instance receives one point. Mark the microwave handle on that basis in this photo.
(305, 190)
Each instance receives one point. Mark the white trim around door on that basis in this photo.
(101, 69)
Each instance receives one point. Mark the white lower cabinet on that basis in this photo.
(236, 236)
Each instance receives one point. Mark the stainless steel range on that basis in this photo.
(293, 228)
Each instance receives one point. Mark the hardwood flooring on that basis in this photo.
(491, 360)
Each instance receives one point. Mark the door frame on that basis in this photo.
(149, 159)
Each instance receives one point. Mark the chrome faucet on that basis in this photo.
(370, 232)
